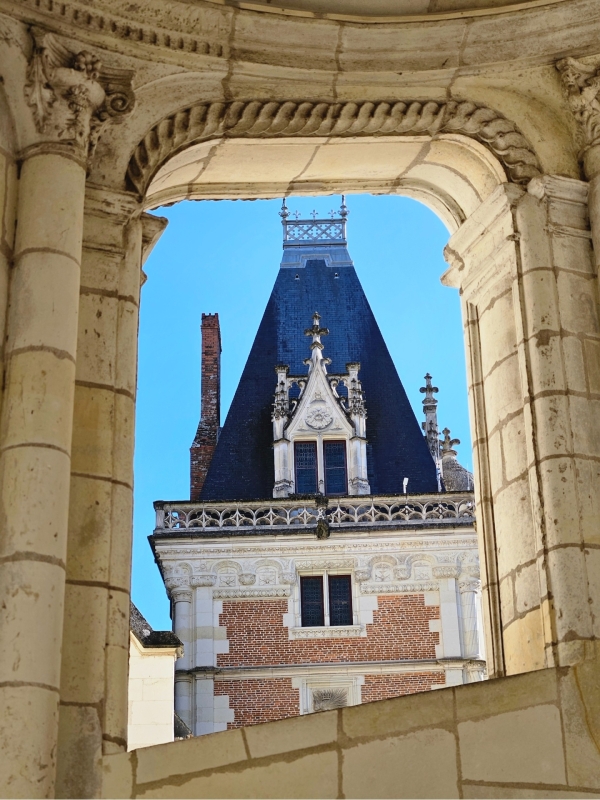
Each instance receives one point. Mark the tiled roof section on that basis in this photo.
(319, 279)
(144, 633)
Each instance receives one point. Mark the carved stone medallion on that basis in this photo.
(319, 418)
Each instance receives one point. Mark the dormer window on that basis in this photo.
(320, 466)
(334, 458)
(319, 440)
(305, 464)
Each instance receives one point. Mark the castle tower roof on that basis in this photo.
(316, 271)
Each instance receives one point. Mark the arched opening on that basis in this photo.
(452, 176)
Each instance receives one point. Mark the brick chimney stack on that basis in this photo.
(205, 441)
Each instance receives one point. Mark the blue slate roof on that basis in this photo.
(318, 278)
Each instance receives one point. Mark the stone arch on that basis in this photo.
(491, 142)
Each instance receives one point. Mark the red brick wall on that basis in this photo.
(255, 701)
(205, 441)
(257, 636)
(380, 687)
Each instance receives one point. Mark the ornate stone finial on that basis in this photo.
(72, 95)
(284, 213)
(430, 426)
(316, 346)
(344, 208)
(581, 84)
(447, 443)
(456, 477)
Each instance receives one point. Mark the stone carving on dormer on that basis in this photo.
(247, 578)
(581, 84)
(72, 95)
(319, 410)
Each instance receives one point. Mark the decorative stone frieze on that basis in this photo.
(399, 588)
(239, 594)
(258, 119)
(200, 581)
(337, 632)
(72, 95)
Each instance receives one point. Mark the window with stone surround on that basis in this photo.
(305, 454)
(325, 600)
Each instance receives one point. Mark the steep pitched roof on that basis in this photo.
(318, 277)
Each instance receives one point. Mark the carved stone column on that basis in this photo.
(93, 715)
(71, 97)
(468, 590)
(181, 595)
(524, 265)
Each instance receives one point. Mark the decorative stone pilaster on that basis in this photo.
(524, 265)
(468, 590)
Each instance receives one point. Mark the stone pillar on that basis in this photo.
(468, 590)
(93, 713)
(181, 597)
(530, 303)
(35, 453)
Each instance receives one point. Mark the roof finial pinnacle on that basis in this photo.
(284, 213)
(344, 208)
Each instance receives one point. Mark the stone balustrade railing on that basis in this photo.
(407, 510)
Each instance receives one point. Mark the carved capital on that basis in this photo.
(468, 586)
(72, 95)
(581, 84)
(203, 580)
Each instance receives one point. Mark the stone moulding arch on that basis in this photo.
(279, 119)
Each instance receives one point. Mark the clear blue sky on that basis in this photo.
(224, 256)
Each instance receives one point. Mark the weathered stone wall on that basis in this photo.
(529, 735)
(121, 95)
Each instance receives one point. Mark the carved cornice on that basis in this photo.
(84, 18)
(399, 588)
(581, 84)
(261, 119)
(72, 95)
(251, 594)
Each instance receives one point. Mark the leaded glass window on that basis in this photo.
(334, 454)
(311, 598)
(340, 600)
(306, 467)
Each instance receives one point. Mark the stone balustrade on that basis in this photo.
(410, 510)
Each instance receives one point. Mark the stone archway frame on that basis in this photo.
(278, 119)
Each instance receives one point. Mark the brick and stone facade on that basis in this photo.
(237, 607)
(403, 568)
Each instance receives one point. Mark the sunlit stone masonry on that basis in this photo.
(330, 557)
(487, 111)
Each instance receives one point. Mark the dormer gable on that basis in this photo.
(331, 425)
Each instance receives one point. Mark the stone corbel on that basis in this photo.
(72, 95)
